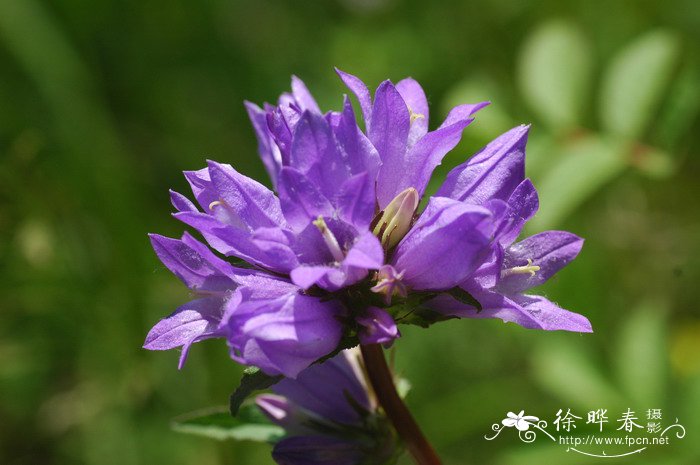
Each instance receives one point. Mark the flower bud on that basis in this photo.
(392, 223)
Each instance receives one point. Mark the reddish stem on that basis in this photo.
(397, 412)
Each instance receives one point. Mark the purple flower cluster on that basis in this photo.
(330, 417)
(342, 240)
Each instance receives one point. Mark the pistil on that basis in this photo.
(329, 239)
(525, 269)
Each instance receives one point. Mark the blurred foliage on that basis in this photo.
(104, 103)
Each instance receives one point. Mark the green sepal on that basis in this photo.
(413, 311)
(424, 317)
(254, 379)
(464, 297)
(250, 424)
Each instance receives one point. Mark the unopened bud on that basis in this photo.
(395, 220)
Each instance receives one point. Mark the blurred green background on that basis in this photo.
(104, 103)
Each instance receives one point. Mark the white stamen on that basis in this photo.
(214, 204)
(525, 269)
(414, 116)
(329, 239)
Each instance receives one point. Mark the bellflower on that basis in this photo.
(340, 247)
(498, 173)
(487, 196)
(330, 417)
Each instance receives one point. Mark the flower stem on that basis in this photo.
(397, 412)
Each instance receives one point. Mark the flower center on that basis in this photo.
(329, 239)
(392, 223)
(525, 269)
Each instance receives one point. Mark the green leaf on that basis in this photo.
(642, 354)
(583, 167)
(563, 367)
(635, 82)
(653, 162)
(249, 425)
(555, 73)
(253, 380)
(681, 108)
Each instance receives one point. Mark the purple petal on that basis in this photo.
(278, 120)
(361, 92)
(194, 264)
(275, 407)
(308, 275)
(284, 335)
(522, 205)
(447, 243)
(366, 253)
(267, 149)
(311, 248)
(489, 272)
(550, 250)
(329, 277)
(302, 202)
(318, 450)
(190, 323)
(356, 201)
(389, 134)
(377, 327)
(462, 112)
(181, 203)
(360, 154)
(274, 244)
(426, 155)
(283, 413)
(415, 99)
(263, 286)
(532, 312)
(324, 389)
(303, 97)
(316, 154)
(291, 115)
(202, 187)
(551, 317)
(494, 172)
(232, 241)
(254, 204)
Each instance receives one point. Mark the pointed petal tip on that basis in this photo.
(386, 83)
(340, 72)
(252, 107)
(157, 239)
(183, 357)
